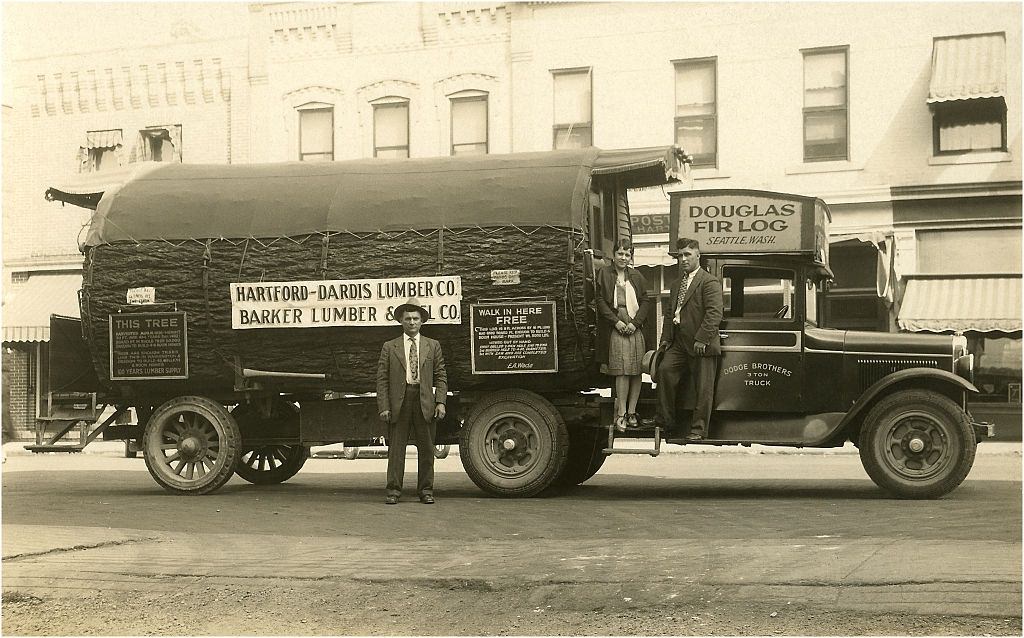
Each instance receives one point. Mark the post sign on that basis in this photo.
(513, 337)
(743, 221)
(342, 302)
(650, 223)
(148, 345)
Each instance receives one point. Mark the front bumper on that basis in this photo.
(983, 430)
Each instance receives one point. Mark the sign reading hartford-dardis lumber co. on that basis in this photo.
(342, 302)
(740, 222)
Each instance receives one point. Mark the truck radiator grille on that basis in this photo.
(870, 371)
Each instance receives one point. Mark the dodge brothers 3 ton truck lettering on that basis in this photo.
(282, 278)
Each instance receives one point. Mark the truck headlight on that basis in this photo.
(959, 346)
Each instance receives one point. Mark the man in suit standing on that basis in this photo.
(412, 387)
(690, 340)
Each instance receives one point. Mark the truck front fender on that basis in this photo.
(903, 378)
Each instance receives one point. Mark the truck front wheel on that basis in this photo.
(514, 443)
(917, 444)
(191, 445)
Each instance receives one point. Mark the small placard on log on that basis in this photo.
(150, 345)
(513, 337)
(507, 277)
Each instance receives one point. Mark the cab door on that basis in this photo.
(761, 366)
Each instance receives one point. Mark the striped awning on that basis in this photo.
(968, 66)
(103, 139)
(983, 303)
(652, 255)
(27, 306)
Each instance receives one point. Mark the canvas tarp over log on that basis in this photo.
(198, 201)
(189, 231)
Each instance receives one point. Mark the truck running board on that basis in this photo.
(611, 449)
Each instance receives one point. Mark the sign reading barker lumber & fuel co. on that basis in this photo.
(737, 221)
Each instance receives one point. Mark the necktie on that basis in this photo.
(414, 361)
(682, 290)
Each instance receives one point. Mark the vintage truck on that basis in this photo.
(238, 312)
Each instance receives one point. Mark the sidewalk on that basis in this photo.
(986, 448)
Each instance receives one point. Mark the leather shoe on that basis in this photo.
(391, 500)
(427, 499)
(694, 436)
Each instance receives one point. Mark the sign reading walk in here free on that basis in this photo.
(513, 337)
(150, 345)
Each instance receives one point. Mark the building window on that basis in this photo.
(969, 126)
(316, 134)
(826, 121)
(101, 151)
(572, 116)
(391, 127)
(696, 110)
(469, 124)
(158, 144)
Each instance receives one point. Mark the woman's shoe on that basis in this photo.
(633, 420)
(620, 423)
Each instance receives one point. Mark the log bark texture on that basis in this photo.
(195, 276)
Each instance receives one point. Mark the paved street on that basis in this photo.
(709, 542)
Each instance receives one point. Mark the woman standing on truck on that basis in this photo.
(623, 306)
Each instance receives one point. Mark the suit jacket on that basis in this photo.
(391, 376)
(606, 306)
(700, 317)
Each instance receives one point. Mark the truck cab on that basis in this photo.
(786, 379)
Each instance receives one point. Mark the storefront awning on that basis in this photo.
(652, 255)
(967, 67)
(982, 303)
(27, 307)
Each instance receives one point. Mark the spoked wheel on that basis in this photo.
(273, 463)
(270, 464)
(514, 443)
(917, 444)
(191, 445)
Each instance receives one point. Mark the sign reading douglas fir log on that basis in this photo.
(150, 345)
(513, 337)
(342, 302)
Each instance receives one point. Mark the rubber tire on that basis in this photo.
(947, 415)
(228, 437)
(442, 451)
(529, 408)
(295, 455)
(585, 456)
(295, 458)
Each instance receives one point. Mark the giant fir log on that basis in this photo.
(195, 276)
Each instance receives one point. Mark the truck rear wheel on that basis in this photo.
(191, 445)
(917, 444)
(271, 464)
(514, 443)
(585, 456)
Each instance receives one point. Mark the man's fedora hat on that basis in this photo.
(412, 305)
(651, 361)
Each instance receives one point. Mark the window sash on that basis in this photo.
(976, 128)
(391, 130)
(576, 136)
(316, 134)
(573, 99)
(825, 113)
(469, 125)
(698, 136)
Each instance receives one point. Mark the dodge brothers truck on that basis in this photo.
(237, 312)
